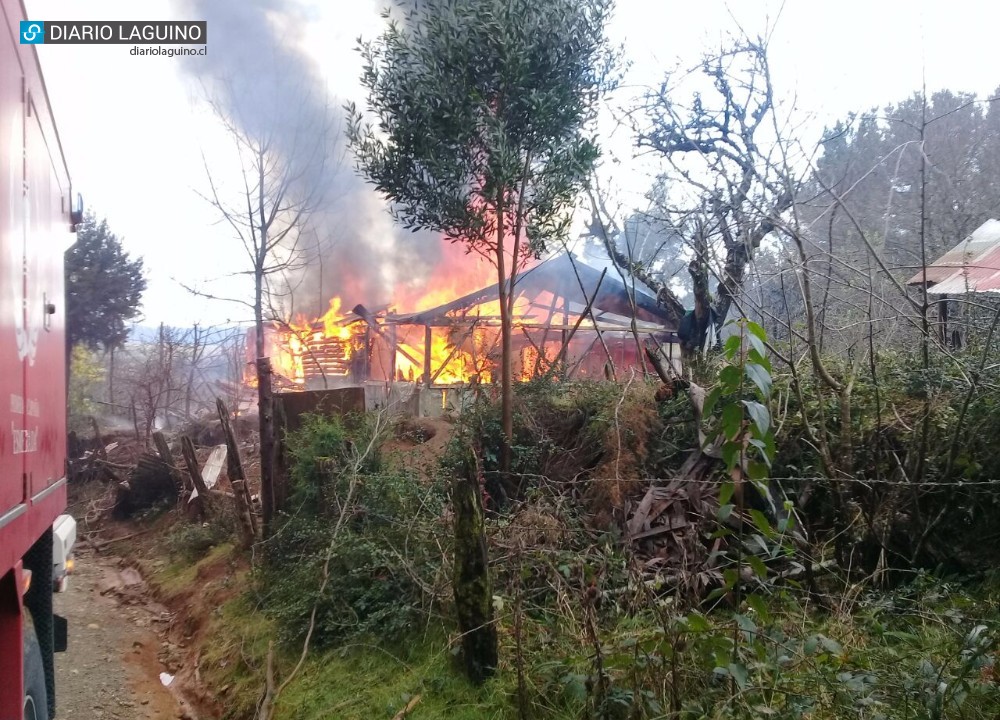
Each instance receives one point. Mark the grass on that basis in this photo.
(233, 661)
(180, 576)
(894, 655)
(365, 681)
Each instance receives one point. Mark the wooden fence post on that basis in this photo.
(234, 469)
(280, 479)
(204, 503)
(473, 592)
(265, 408)
(163, 450)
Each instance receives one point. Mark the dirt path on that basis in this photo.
(113, 665)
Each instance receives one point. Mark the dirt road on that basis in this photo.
(113, 665)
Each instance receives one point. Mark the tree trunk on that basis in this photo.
(265, 403)
(473, 592)
(111, 375)
(506, 368)
(694, 328)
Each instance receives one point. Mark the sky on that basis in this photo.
(136, 130)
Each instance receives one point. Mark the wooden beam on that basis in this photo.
(943, 320)
(569, 336)
(427, 355)
(163, 449)
(451, 355)
(393, 346)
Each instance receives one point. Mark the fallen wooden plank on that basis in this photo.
(213, 466)
(414, 701)
(675, 523)
(638, 520)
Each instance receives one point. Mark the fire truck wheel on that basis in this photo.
(36, 706)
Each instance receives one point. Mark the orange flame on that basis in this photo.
(338, 344)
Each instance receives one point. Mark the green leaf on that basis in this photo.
(732, 421)
(724, 512)
(756, 330)
(756, 602)
(758, 359)
(726, 492)
(730, 379)
(716, 594)
(771, 449)
(899, 635)
(760, 377)
(760, 521)
(830, 645)
(696, 622)
(758, 566)
(760, 416)
(729, 578)
(745, 624)
(711, 400)
(733, 345)
(576, 686)
(739, 674)
(731, 454)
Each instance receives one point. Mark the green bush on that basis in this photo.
(563, 432)
(381, 531)
(191, 541)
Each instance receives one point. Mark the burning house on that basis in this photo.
(566, 313)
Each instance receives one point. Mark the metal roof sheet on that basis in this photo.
(558, 274)
(981, 276)
(967, 255)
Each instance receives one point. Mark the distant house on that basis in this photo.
(971, 267)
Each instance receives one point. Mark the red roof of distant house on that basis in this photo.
(981, 276)
(971, 266)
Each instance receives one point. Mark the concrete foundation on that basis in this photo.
(402, 398)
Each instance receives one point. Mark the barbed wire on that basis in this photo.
(954, 484)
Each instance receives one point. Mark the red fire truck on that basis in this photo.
(37, 219)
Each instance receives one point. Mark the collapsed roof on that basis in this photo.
(576, 283)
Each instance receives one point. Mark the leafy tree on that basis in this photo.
(483, 110)
(894, 187)
(85, 378)
(104, 287)
(873, 162)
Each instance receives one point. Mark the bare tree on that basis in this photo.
(281, 170)
(724, 192)
(151, 377)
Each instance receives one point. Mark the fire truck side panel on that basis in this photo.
(45, 366)
(12, 490)
(35, 200)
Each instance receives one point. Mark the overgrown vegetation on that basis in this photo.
(780, 628)
(376, 534)
(796, 528)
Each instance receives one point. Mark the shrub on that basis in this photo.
(377, 534)
(564, 432)
(191, 541)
